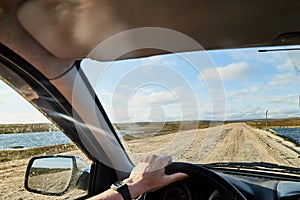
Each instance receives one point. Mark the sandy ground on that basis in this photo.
(235, 142)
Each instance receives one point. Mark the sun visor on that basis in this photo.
(71, 29)
(68, 29)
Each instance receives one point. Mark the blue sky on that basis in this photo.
(171, 87)
(228, 84)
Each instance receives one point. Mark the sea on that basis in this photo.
(293, 134)
(22, 141)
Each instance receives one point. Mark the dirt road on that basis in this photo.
(233, 143)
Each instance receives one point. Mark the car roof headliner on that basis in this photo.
(212, 23)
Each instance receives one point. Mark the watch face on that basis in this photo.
(119, 184)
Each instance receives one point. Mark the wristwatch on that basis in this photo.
(122, 188)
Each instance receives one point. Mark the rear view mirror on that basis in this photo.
(55, 175)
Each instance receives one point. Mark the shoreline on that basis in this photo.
(292, 140)
(18, 154)
(27, 128)
(285, 141)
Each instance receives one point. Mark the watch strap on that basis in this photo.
(122, 188)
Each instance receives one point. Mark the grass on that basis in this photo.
(25, 128)
(160, 128)
(128, 137)
(8, 155)
(275, 123)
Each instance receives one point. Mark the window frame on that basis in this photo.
(54, 104)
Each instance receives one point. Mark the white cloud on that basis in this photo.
(288, 65)
(152, 104)
(23, 118)
(283, 113)
(105, 93)
(244, 93)
(168, 63)
(2, 92)
(284, 79)
(253, 105)
(295, 59)
(291, 99)
(251, 55)
(2, 101)
(127, 87)
(154, 98)
(234, 71)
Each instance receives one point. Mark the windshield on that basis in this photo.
(239, 105)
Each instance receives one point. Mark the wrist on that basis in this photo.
(135, 187)
(122, 188)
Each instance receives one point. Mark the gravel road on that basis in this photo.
(236, 142)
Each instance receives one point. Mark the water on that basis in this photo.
(31, 140)
(292, 133)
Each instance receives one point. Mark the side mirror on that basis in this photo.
(56, 174)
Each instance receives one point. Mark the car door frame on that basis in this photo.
(55, 105)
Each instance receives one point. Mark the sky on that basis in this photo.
(213, 85)
(15, 109)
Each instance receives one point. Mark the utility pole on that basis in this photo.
(266, 119)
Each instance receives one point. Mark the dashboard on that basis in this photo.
(250, 184)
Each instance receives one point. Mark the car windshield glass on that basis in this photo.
(238, 105)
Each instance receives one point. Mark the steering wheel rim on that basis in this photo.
(198, 171)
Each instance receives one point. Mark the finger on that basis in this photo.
(168, 160)
(175, 177)
(140, 168)
(163, 161)
(150, 158)
(152, 163)
(158, 162)
(170, 179)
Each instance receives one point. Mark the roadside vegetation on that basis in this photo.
(26, 128)
(140, 129)
(8, 155)
(146, 129)
(275, 123)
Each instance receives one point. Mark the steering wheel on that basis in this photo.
(200, 172)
